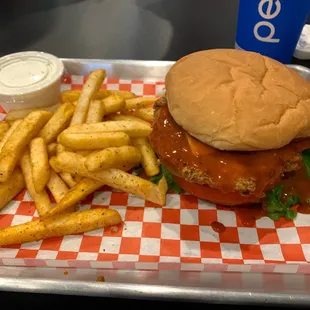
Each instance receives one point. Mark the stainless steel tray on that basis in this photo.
(121, 69)
(303, 71)
(137, 69)
(213, 287)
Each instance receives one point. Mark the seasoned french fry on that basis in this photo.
(58, 122)
(60, 148)
(75, 164)
(68, 179)
(39, 164)
(81, 152)
(129, 183)
(77, 178)
(20, 114)
(4, 127)
(70, 162)
(149, 160)
(132, 128)
(162, 189)
(51, 149)
(93, 141)
(16, 143)
(113, 104)
(70, 96)
(61, 225)
(146, 114)
(95, 112)
(123, 93)
(90, 88)
(57, 186)
(73, 95)
(75, 195)
(139, 102)
(120, 180)
(54, 164)
(41, 199)
(127, 117)
(11, 122)
(10, 188)
(113, 157)
(6, 136)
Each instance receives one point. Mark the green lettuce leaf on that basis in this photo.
(172, 184)
(276, 208)
(306, 161)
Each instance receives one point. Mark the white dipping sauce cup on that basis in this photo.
(29, 80)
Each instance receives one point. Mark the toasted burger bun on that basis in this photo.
(237, 100)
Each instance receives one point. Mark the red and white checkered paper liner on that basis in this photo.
(177, 236)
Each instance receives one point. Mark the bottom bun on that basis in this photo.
(214, 195)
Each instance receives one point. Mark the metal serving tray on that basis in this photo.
(237, 286)
(137, 69)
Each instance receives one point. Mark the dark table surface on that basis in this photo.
(36, 301)
(116, 29)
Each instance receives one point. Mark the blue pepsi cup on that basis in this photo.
(271, 27)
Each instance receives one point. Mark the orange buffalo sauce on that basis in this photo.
(177, 150)
(218, 227)
(223, 167)
(249, 214)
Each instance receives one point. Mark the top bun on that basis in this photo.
(237, 100)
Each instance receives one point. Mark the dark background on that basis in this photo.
(128, 29)
(118, 29)
(115, 29)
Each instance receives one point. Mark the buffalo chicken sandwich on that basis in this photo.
(233, 128)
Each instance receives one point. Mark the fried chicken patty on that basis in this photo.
(244, 172)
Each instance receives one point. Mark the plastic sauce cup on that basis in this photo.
(29, 80)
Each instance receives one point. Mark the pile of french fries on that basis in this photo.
(91, 138)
